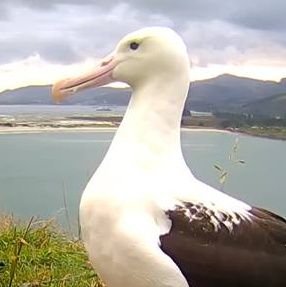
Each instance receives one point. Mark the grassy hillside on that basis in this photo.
(35, 255)
(274, 106)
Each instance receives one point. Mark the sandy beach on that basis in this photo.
(24, 130)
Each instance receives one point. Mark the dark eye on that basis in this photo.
(134, 46)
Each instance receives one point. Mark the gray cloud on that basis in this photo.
(19, 48)
(261, 15)
(217, 31)
(257, 14)
(4, 15)
(62, 34)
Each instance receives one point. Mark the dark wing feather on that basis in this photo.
(253, 254)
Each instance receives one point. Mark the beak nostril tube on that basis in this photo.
(106, 61)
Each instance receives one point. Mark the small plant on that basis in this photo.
(18, 245)
(223, 173)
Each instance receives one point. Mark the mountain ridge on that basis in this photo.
(224, 93)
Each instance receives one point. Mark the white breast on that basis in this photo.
(121, 233)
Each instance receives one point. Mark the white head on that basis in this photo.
(149, 53)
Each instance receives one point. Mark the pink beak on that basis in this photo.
(102, 75)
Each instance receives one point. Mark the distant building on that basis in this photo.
(201, 114)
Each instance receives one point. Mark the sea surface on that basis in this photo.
(58, 110)
(42, 173)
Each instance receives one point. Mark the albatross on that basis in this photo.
(146, 220)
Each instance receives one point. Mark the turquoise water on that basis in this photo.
(37, 171)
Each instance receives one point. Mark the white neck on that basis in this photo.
(151, 125)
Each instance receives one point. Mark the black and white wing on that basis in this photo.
(251, 253)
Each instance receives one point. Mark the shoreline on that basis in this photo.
(111, 128)
(265, 136)
(32, 130)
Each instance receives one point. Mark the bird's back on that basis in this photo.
(253, 254)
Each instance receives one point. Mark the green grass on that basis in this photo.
(35, 254)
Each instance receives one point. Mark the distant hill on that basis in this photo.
(31, 95)
(41, 95)
(274, 106)
(283, 81)
(225, 93)
(229, 93)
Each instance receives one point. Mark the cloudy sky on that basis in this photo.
(41, 41)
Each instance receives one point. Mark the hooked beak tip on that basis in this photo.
(58, 94)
